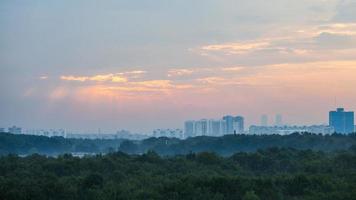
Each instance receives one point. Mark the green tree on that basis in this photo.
(250, 195)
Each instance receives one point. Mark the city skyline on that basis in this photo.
(85, 65)
(339, 121)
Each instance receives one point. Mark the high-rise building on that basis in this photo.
(229, 124)
(234, 124)
(201, 127)
(343, 122)
(213, 127)
(279, 120)
(239, 124)
(216, 127)
(264, 120)
(205, 127)
(189, 129)
(223, 127)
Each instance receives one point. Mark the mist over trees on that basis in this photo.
(29, 144)
(230, 144)
(226, 145)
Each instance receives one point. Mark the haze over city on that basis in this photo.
(141, 65)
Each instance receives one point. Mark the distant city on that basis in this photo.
(340, 121)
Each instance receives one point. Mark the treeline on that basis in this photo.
(29, 144)
(271, 174)
(226, 145)
(230, 144)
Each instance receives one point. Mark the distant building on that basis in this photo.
(47, 133)
(239, 126)
(286, 130)
(121, 134)
(171, 133)
(234, 124)
(229, 124)
(264, 120)
(2, 130)
(216, 127)
(204, 127)
(343, 122)
(189, 129)
(279, 120)
(201, 127)
(15, 130)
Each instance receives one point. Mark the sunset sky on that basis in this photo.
(146, 64)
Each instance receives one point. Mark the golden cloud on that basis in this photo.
(233, 69)
(337, 28)
(305, 78)
(97, 78)
(236, 48)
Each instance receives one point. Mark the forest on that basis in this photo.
(30, 144)
(301, 166)
(225, 145)
(270, 174)
(230, 144)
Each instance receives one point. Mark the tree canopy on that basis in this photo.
(270, 174)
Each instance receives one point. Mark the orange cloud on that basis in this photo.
(236, 48)
(233, 69)
(97, 78)
(120, 77)
(298, 78)
(74, 78)
(338, 28)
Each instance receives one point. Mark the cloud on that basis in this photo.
(309, 76)
(338, 28)
(180, 72)
(298, 43)
(153, 84)
(108, 77)
(233, 69)
(74, 78)
(235, 48)
(133, 74)
(120, 77)
(346, 11)
(335, 41)
(122, 85)
(212, 80)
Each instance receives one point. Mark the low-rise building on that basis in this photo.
(15, 130)
(286, 130)
(171, 133)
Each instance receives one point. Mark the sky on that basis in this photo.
(146, 64)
